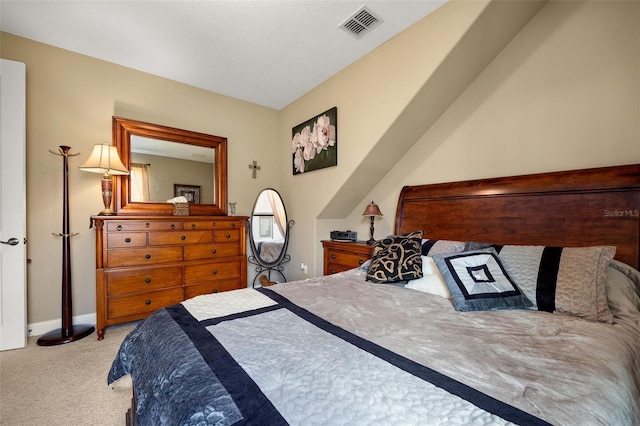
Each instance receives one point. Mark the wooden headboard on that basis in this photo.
(571, 209)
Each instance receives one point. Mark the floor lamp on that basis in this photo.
(68, 333)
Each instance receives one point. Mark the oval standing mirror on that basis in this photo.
(166, 162)
(269, 235)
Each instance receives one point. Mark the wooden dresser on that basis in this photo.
(340, 256)
(144, 263)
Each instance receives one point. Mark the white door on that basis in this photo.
(13, 283)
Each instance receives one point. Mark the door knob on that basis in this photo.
(11, 242)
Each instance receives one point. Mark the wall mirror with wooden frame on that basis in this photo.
(192, 163)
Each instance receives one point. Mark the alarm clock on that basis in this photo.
(343, 235)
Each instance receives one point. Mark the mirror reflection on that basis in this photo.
(269, 235)
(161, 170)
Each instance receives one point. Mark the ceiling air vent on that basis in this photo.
(360, 23)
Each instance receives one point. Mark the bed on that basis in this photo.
(269, 251)
(366, 347)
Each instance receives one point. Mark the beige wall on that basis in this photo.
(563, 94)
(70, 101)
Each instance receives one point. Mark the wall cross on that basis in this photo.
(254, 168)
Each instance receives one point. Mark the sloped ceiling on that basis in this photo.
(498, 24)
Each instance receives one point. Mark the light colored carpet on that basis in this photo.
(65, 384)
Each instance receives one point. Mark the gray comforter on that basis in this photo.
(338, 350)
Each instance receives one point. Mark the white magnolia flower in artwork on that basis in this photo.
(298, 161)
(305, 136)
(332, 135)
(309, 151)
(295, 143)
(321, 135)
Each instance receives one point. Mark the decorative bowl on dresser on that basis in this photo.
(340, 256)
(144, 263)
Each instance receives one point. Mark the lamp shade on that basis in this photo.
(105, 159)
(372, 210)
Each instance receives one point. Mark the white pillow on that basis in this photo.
(431, 281)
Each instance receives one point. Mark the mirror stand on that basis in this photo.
(269, 236)
(265, 279)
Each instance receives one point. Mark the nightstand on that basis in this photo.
(341, 256)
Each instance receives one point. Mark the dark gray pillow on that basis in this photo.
(433, 247)
(569, 280)
(478, 281)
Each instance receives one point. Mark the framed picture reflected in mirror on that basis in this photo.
(190, 192)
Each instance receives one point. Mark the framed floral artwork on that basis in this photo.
(314, 143)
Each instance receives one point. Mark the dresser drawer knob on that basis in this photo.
(147, 302)
(183, 237)
(147, 280)
(173, 226)
(193, 226)
(214, 272)
(333, 271)
(333, 256)
(147, 224)
(147, 256)
(360, 262)
(215, 290)
(119, 227)
(127, 240)
(228, 235)
(214, 251)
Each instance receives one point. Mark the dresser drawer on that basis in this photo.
(211, 271)
(342, 256)
(210, 224)
(211, 251)
(181, 237)
(142, 303)
(139, 280)
(211, 287)
(143, 256)
(226, 235)
(143, 226)
(126, 239)
(352, 260)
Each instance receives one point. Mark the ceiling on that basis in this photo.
(268, 52)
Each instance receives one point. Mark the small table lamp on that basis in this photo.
(105, 159)
(372, 210)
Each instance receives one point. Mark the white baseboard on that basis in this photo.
(40, 328)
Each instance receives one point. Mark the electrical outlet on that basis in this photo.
(303, 267)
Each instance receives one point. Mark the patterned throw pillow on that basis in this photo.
(396, 258)
(568, 280)
(478, 281)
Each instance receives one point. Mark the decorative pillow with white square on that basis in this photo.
(396, 258)
(568, 280)
(478, 281)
